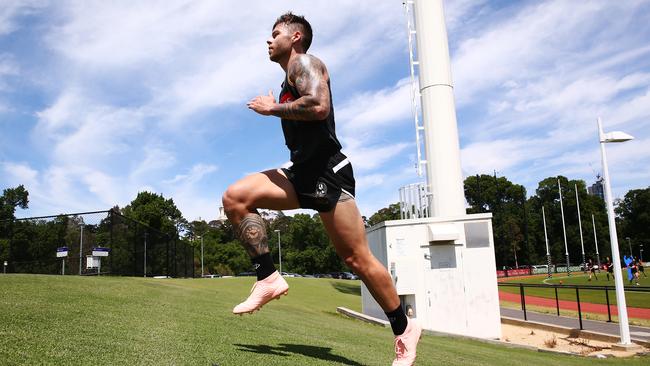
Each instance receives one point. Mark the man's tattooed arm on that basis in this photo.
(252, 235)
(309, 76)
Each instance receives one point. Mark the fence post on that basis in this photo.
(579, 311)
(523, 300)
(557, 301)
(609, 311)
(110, 216)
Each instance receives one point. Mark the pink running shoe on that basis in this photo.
(406, 344)
(262, 292)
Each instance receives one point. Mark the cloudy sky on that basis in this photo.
(102, 99)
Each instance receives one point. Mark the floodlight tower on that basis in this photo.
(444, 175)
(441, 259)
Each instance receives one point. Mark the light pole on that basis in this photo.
(593, 222)
(548, 253)
(604, 138)
(566, 247)
(629, 244)
(279, 250)
(582, 244)
(641, 253)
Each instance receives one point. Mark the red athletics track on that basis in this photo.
(585, 307)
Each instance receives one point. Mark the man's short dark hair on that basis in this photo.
(292, 20)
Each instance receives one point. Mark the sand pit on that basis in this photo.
(558, 342)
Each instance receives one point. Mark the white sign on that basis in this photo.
(61, 252)
(92, 262)
(101, 252)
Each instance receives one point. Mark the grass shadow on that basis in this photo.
(283, 349)
(348, 288)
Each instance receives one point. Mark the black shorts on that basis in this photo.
(610, 269)
(319, 184)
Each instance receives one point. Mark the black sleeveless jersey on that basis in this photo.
(308, 140)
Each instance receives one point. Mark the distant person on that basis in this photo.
(631, 269)
(609, 267)
(320, 178)
(592, 270)
(639, 266)
(636, 271)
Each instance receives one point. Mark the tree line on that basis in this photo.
(518, 227)
(517, 221)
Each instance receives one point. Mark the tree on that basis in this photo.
(11, 199)
(507, 202)
(633, 212)
(547, 195)
(392, 212)
(156, 211)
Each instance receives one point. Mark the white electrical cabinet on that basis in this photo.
(444, 271)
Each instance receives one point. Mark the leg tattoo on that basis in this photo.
(252, 235)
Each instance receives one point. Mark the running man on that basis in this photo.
(639, 265)
(321, 178)
(592, 269)
(609, 267)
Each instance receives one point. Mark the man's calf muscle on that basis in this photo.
(252, 235)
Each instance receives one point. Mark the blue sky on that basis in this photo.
(100, 100)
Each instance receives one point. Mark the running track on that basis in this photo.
(585, 307)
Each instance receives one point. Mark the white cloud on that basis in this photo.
(195, 174)
(19, 173)
(8, 67)
(374, 156)
(11, 9)
(375, 109)
(141, 96)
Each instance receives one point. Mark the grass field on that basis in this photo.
(70, 320)
(633, 299)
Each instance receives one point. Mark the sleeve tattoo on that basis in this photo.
(309, 76)
(252, 235)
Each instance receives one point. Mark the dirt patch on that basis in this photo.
(554, 341)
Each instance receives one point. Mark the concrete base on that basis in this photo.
(627, 347)
(363, 317)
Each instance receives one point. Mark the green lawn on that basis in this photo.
(70, 320)
(633, 299)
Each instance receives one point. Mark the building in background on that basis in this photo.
(597, 189)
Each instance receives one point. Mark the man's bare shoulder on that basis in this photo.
(305, 63)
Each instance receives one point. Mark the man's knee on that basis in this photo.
(357, 262)
(234, 199)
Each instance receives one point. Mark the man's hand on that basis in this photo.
(262, 104)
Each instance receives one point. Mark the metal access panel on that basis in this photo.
(444, 269)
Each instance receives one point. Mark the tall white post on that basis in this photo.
(593, 223)
(548, 252)
(566, 246)
(444, 175)
(613, 239)
(582, 244)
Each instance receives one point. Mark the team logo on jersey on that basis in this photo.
(286, 97)
(321, 189)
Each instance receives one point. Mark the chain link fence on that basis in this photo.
(29, 245)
